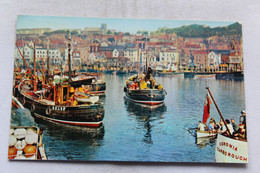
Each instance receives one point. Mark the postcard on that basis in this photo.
(103, 89)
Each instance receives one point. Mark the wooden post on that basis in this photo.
(218, 109)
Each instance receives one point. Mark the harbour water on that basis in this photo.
(132, 132)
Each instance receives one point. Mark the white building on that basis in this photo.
(131, 54)
(214, 59)
(115, 53)
(96, 57)
(169, 57)
(27, 53)
(54, 55)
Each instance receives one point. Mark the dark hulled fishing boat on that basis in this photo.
(55, 101)
(60, 106)
(144, 89)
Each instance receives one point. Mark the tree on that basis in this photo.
(74, 32)
(127, 33)
(111, 39)
(109, 32)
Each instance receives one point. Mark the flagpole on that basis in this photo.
(218, 109)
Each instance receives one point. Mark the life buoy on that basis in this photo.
(48, 111)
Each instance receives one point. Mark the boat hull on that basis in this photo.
(82, 115)
(230, 150)
(150, 97)
(205, 76)
(205, 134)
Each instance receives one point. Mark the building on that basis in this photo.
(169, 57)
(235, 61)
(54, 55)
(200, 59)
(131, 54)
(214, 60)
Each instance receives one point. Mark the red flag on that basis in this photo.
(206, 109)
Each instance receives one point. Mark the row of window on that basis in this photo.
(43, 52)
(43, 56)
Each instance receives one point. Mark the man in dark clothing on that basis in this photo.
(243, 118)
(235, 126)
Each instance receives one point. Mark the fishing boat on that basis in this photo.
(122, 71)
(96, 87)
(229, 148)
(57, 104)
(25, 143)
(204, 76)
(143, 88)
(55, 101)
(169, 73)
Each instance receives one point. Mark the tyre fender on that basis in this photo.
(48, 111)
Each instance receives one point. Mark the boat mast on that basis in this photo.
(23, 52)
(218, 110)
(241, 55)
(24, 61)
(48, 61)
(34, 67)
(69, 58)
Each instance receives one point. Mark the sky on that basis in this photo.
(123, 25)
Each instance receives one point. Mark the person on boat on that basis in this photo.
(39, 85)
(241, 133)
(160, 87)
(242, 118)
(201, 126)
(222, 128)
(148, 74)
(230, 127)
(214, 122)
(235, 126)
(211, 125)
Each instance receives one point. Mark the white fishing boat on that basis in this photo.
(229, 150)
(205, 134)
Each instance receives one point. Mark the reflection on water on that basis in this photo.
(134, 132)
(68, 142)
(203, 142)
(145, 114)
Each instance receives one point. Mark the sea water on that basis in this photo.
(133, 132)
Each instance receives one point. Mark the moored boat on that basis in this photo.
(144, 89)
(231, 148)
(54, 101)
(58, 104)
(204, 76)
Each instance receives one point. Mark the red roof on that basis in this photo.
(199, 52)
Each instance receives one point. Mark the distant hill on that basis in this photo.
(196, 30)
